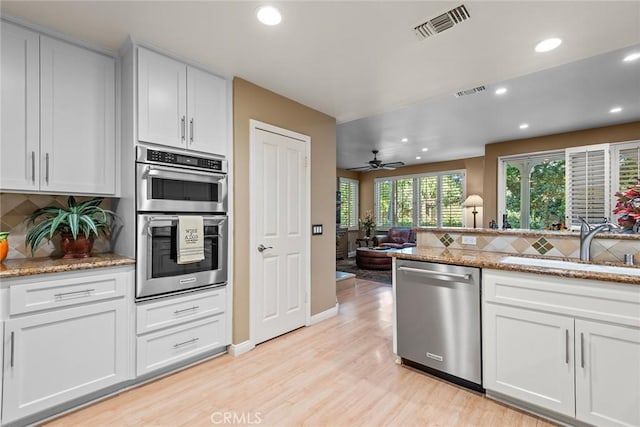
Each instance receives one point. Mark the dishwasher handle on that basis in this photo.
(435, 273)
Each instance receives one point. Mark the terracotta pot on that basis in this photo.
(76, 248)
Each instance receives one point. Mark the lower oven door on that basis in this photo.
(158, 271)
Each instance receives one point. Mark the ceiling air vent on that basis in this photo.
(442, 22)
(470, 91)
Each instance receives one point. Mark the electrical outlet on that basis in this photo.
(468, 240)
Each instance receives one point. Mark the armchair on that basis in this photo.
(397, 238)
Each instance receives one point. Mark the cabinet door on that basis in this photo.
(20, 139)
(162, 99)
(207, 111)
(77, 119)
(528, 355)
(607, 374)
(57, 356)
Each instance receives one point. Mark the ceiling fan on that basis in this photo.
(376, 164)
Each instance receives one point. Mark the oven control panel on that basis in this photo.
(166, 157)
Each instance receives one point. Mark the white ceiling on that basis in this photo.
(356, 59)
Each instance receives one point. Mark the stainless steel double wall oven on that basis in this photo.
(172, 184)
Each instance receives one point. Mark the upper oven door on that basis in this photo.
(174, 189)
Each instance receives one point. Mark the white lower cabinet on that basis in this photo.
(607, 374)
(174, 329)
(564, 345)
(58, 354)
(530, 356)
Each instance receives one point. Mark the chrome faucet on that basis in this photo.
(587, 233)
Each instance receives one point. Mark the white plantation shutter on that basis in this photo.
(349, 203)
(428, 200)
(452, 196)
(625, 166)
(587, 184)
(383, 201)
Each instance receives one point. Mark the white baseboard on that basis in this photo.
(333, 311)
(237, 349)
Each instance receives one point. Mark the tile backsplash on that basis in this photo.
(15, 208)
(604, 248)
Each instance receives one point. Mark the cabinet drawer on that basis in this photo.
(78, 288)
(156, 315)
(163, 348)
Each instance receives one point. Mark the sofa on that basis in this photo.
(397, 238)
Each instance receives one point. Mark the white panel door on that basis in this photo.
(529, 355)
(607, 374)
(61, 355)
(77, 114)
(20, 91)
(279, 194)
(207, 112)
(162, 100)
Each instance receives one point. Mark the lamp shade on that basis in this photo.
(473, 200)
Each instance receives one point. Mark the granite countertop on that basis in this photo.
(484, 259)
(30, 266)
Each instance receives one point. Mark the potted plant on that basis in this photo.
(78, 225)
(628, 205)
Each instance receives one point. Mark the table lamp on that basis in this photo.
(475, 201)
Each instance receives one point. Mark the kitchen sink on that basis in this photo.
(570, 265)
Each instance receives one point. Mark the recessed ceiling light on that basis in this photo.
(615, 110)
(524, 126)
(404, 139)
(425, 149)
(632, 57)
(418, 157)
(548, 45)
(501, 91)
(269, 15)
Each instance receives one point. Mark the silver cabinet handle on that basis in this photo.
(191, 341)
(46, 175)
(183, 127)
(262, 248)
(191, 130)
(13, 337)
(33, 167)
(581, 350)
(194, 308)
(86, 292)
(435, 273)
(566, 344)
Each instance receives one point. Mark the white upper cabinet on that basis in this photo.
(58, 116)
(20, 143)
(77, 119)
(180, 106)
(162, 99)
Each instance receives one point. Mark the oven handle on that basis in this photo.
(167, 220)
(172, 174)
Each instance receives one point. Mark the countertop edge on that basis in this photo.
(35, 266)
(496, 265)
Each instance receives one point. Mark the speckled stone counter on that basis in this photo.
(485, 259)
(31, 266)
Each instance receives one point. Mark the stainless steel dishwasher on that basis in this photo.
(438, 320)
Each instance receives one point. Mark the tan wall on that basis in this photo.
(253, 102)
(474, 177)
(617, 133)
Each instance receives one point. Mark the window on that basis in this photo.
(349, 203)
(541, 190)
(430, 200)
(537, 201)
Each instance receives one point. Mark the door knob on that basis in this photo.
(262, 248)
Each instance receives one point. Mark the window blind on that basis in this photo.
(628, 167)
(349, 203)
(420, 200)
(587, 184)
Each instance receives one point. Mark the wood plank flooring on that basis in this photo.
(339, 372)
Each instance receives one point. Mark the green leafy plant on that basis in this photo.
(86, 217)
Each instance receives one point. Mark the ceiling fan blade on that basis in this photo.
(388, 168)
(393, 164)
(360, 169)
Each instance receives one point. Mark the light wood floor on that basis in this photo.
(339, 372)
